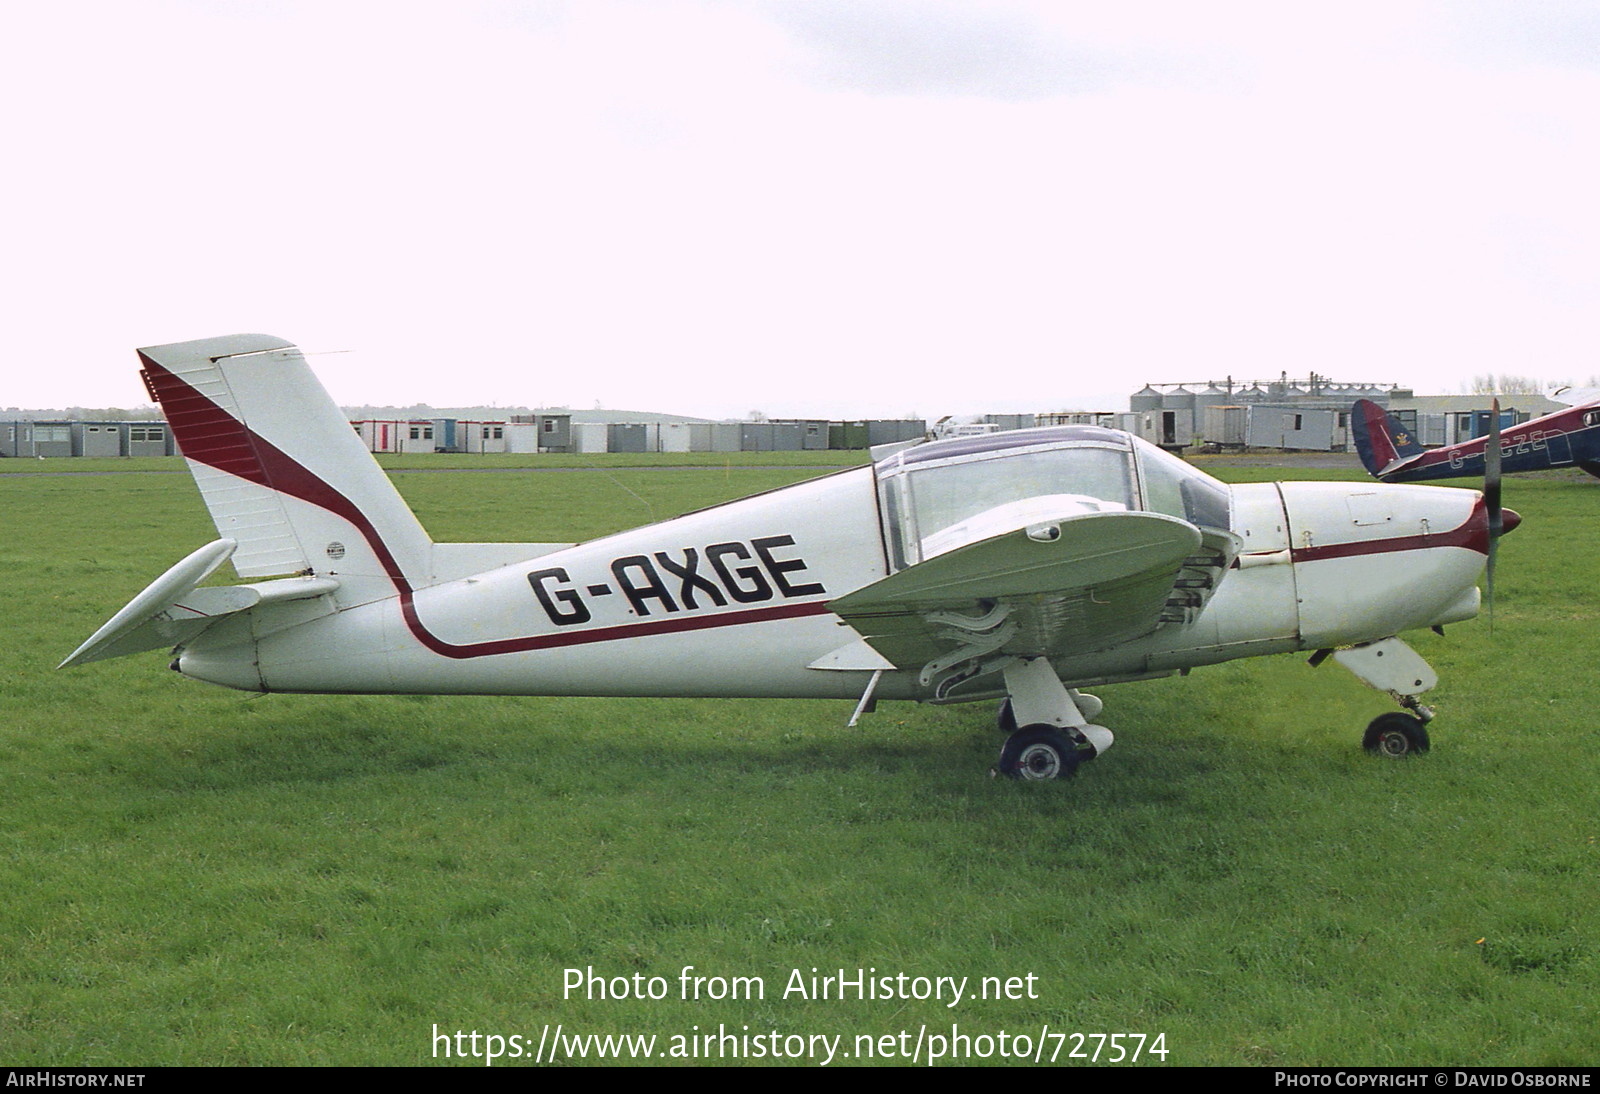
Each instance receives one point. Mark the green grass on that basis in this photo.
(194, 876)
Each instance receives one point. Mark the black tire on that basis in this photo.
(1037, 753)
(1396, 736)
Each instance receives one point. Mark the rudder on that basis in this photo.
(281, 469)
(1381, 439)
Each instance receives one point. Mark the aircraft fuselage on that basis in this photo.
(732, 601)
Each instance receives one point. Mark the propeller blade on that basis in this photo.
(1491, 471)
(1491, 501)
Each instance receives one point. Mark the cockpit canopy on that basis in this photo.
(940, 496)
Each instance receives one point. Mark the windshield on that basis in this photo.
(1181, 490)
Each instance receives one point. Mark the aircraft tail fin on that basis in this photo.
(1382, 440)
(281, 470)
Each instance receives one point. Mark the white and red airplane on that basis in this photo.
(1018, 566)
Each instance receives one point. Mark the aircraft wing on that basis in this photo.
(1076, 585)
(1576, 396)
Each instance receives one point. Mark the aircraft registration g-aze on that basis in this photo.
(1567, 438)
(1019, 566)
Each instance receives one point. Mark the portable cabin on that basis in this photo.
(685, 437)
(1224, 425)
(481, 436)
(417, 436)
(146, 439)
(771, 436)
(813, 432)
(379, 435)
(628, 437)
(96, 439)
(590, 436)
(1292, 427)
(1008, 422)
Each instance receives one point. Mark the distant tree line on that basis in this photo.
(1505, 383)
(83, 414)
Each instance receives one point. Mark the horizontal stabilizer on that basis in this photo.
(115, 638)
(173, 611)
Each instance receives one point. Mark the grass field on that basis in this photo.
(195, 876)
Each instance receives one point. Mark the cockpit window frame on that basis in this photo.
(895, 476)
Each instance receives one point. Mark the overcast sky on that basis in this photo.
(804, 207)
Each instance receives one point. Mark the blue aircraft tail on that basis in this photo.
(1381, 439)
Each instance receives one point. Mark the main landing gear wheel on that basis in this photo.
(1395, 735)
(1038, 752)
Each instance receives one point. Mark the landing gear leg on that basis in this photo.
(1394, 667)
(1049, 734)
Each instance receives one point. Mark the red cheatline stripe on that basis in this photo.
(1472, 534)
(670, 625)
(210, 435)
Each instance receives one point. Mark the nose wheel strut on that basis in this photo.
(1394, 667)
